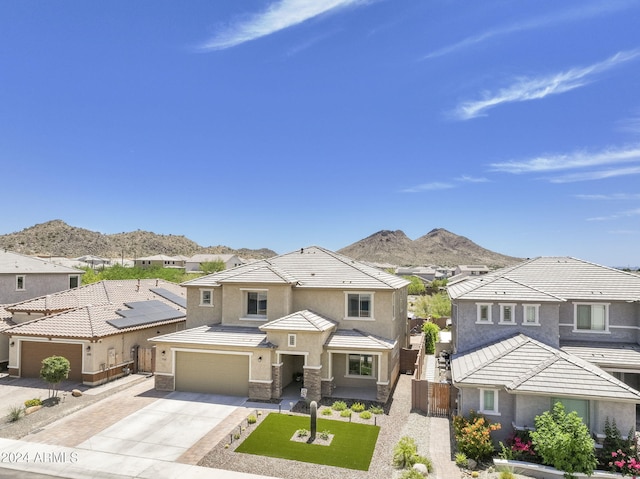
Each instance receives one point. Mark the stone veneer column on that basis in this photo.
(327, 388)
(383, 392)
(276, 375)
(164, 382)
(260, 390)
(313, 383)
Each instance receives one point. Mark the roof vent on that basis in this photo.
(301, 250)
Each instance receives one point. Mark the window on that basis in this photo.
(507, 313)
(489, 401)
(257, 303)
(291, 340)
(591, 317)
(360, 365)
(531, 314)
(359, 305)
(484, 313)
(580, 406)
(20, 283)
(74, 281)
(206, 297)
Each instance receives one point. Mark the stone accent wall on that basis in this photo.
(383, 392)
(260, 391)
(276, 386)
(327, 388)
(313, 383)
(165, 383)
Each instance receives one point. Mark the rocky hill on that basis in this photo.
(438, 247)
(56, 238)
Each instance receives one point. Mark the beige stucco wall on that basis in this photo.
(202, 315)
(234, 303)
(306, 342)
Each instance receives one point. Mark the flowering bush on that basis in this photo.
(473, 435)
(624, 464)
(519, 447)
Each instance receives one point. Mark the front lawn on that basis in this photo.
(352, 446)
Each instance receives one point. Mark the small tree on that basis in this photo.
(563, 441)
(436, 306)
(431, 331)
(54, 370)
(417, 286)
(473, 435)
(209, 267)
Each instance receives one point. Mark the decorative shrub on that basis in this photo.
(339, 406)
(473, 435)
(15, 413)
(624, 464)
(345, 413)
(519, 447)
(404, 452)
(614, 443)
(252, 419)
(563, 441)
(32, 402)
(302, 432)
(461, 459)
(357, 407)
(411, 474)
(324, 434)
(376, 410)
(327, 411)
(365, 415)
(431, 331)
(418, 459)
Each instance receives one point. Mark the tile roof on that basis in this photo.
(523, 365)
(218, 335)
(104, 292)
(354, 339)
(311, 267)
(5, 318)
(14, 263)
(542, 279)
(612, 355)
(86, 312)
(300, 321)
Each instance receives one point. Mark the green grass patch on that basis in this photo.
(352, 446)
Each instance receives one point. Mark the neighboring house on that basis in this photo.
(334, 324)
(5, 322)
(548, 329)
(425, 273)
(25, 277)
(470, 270)
(192, 264)
(99, 327)
(161, 260)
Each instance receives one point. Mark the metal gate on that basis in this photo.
(146, 360)
(439, 399)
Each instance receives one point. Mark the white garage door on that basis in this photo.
(212, 373)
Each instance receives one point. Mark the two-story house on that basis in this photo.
(548, 329)
(314, 316)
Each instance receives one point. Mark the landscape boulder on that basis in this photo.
(421, 468)
(76, 393)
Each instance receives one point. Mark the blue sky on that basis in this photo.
(283, 124)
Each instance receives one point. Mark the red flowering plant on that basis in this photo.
(519, 447)
(624, 464)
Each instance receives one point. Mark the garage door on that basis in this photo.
(33, 352)
(212, 373)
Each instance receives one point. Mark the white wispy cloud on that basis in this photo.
(629, 125)
(596, 175)
(536, 88)
(557, 18)
(428, 187)
(278, 16)
(471, 179)
(574, 160)
(610, 197)
(617, 216)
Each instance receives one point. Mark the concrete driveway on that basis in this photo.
(165, 429)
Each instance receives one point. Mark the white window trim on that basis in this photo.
(202, 303)
(357, 318)
(361, 376)
(290, 343)
(479, 308)
(591, 331)
(513, 313)
(496, 409)
(24, 282)
(524, 314)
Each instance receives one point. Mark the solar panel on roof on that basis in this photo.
(144, 312)
(171, 296)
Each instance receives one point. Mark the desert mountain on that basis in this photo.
(56, 238)
(438, 247)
